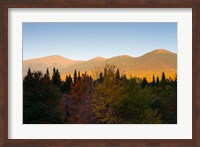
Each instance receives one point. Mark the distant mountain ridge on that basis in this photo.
(153, 62)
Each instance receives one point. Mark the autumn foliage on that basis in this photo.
(111, 98)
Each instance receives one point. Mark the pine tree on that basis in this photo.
(117, 74)
(40, 100)
(64, 85)
(29, 74)
(56, 78)
(175, 78)
(70, 78)
(46, 78)
(105, 72)
(28, 79)
(79, 75)
(163, 77)
(157, 81)
(54, 71)
(46, 75)
(144, 82)
(69, 83)
(75, 76)
(101, 77)
(153, 81)
(124, 77)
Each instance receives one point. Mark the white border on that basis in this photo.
(182, 130)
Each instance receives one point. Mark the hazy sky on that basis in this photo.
(83, 41)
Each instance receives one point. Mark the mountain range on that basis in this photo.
(147, 65)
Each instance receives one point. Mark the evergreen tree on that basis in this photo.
(112, 98)
(54, 71)
(134, 104)
(153, 81)
(124, 77)
(64, 85)
(40, 101)
(175, 78)
(100, 77)
(28, 79)
(117, 74)
(157, 81)
(144, 82)
(163, 77)
(46, 75)
(79, 75)
(105, 72)
(69, 83)
(75, 76)
(29, 74)
(46, 78)
(56, 80)
(70, 78)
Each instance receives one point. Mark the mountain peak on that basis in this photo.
(161, 51)
(98, 58)
(124, 56)
(55, 56)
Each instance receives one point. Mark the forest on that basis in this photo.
(111, 98)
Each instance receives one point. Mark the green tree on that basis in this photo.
(40, 101)
(104, 96)
(134, 106)
(165, 101)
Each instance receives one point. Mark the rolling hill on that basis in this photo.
(153, 62)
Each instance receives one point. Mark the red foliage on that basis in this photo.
(80, 107)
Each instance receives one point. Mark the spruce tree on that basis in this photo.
(46, 75)
(124, 77)
(46, 78)
(117, 74)
(163, 77)
(144, 82)
(75, 76)
(56, 78)
(29, 74)
(68, 84)
(79, 75)
(157, 81)
(105, 72)
(153, 81)
(101, 77)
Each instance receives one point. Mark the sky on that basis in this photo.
(86, 40)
